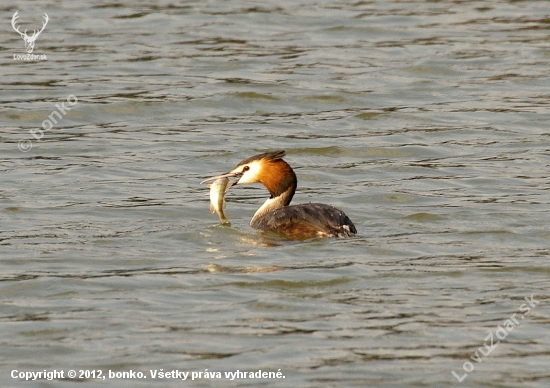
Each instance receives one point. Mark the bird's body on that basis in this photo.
(306, 221)
(276, 215)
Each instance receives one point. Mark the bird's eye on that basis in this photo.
(246, 168)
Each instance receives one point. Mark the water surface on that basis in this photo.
(426, 122)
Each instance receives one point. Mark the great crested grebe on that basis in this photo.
(298, 221)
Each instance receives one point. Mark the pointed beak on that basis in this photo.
(226, 175)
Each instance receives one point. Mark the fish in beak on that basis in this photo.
(226, 175)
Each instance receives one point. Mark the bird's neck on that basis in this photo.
(281, 183)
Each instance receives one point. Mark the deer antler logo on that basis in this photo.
(29, 40)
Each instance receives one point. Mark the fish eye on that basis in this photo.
(246, 168)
